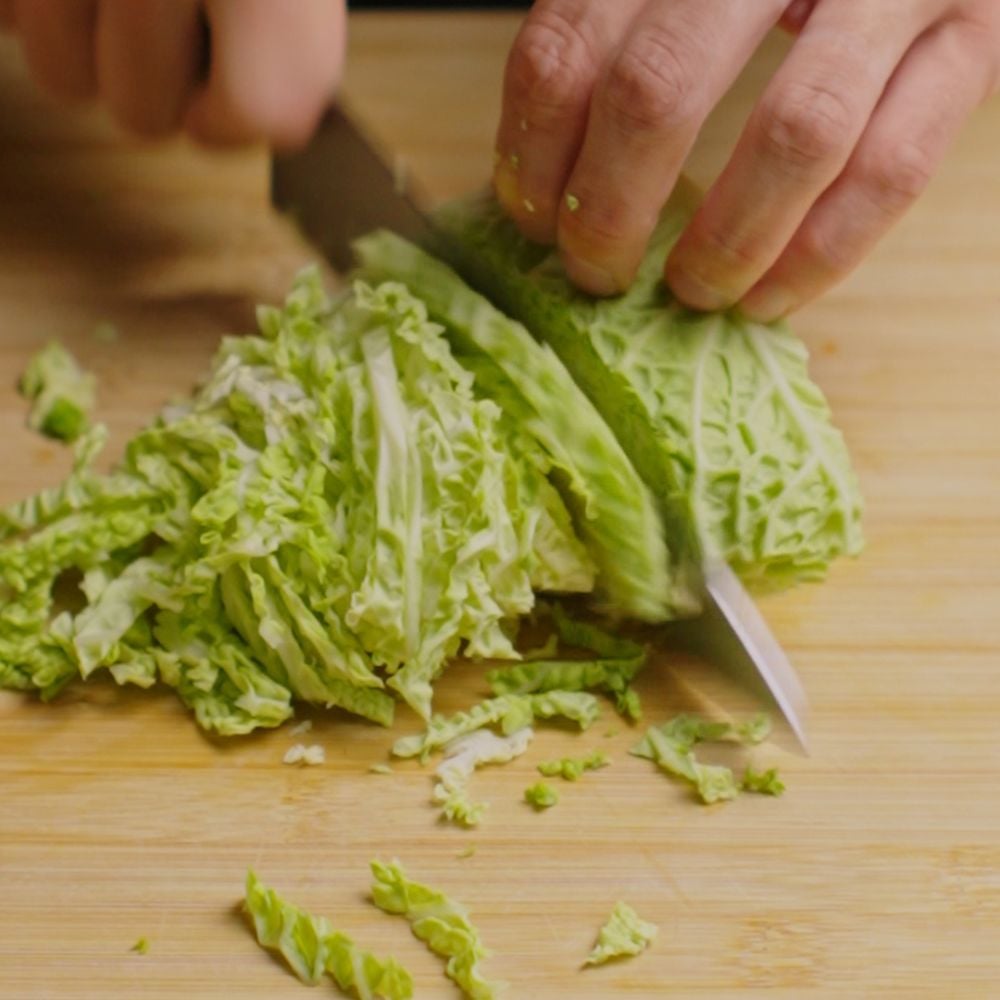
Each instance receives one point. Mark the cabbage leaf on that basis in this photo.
(717, 413)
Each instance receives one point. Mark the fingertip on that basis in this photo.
(505, 182)
(231, 112)
(768, 302)
(534, 216)
(693, 292)
(591, 278)
(272, 73)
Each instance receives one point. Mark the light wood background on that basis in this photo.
(878, 873)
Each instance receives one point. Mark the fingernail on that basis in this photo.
(767, 303)
(590, 277)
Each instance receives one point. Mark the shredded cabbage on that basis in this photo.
(509, 712)
(617, 663)
(334, 511)
(617, 514)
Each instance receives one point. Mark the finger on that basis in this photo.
(793, 20)
(58, 41)
(941, 80)
(147, 60)
(797, 140)
(273, 69)
(673, 65)
(550, 74)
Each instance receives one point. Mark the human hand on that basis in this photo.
(603, 101)
(271, 68)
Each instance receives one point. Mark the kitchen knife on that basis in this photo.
(340, 187)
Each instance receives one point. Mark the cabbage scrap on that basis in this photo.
(440, 922)
(541, 796)
(617, 662)
(61, 393)
(763, 782)
(313, 949)
(613, 676)
(509, 712)
(461, 758)
(625, 934)
(671, 747)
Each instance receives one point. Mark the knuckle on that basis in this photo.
(651, 87)
(898, 174)
(819, 245)
(807, 124)
(549, 63)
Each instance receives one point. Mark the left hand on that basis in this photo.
(603, 101)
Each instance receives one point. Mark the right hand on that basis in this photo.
(271, 69)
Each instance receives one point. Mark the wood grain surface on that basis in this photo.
(877, 874)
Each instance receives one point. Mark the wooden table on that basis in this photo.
(877, 874)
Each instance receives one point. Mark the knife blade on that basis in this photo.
(340, 187)
(732, 634)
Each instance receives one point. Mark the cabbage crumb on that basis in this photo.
(625, 934)
(541, 796)
(572, 768)
(307, 756)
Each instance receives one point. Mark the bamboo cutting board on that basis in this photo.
(877, 874)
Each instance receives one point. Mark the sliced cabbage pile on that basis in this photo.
(333, 513)
(374, 484)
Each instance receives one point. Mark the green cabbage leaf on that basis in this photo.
(717, 413)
